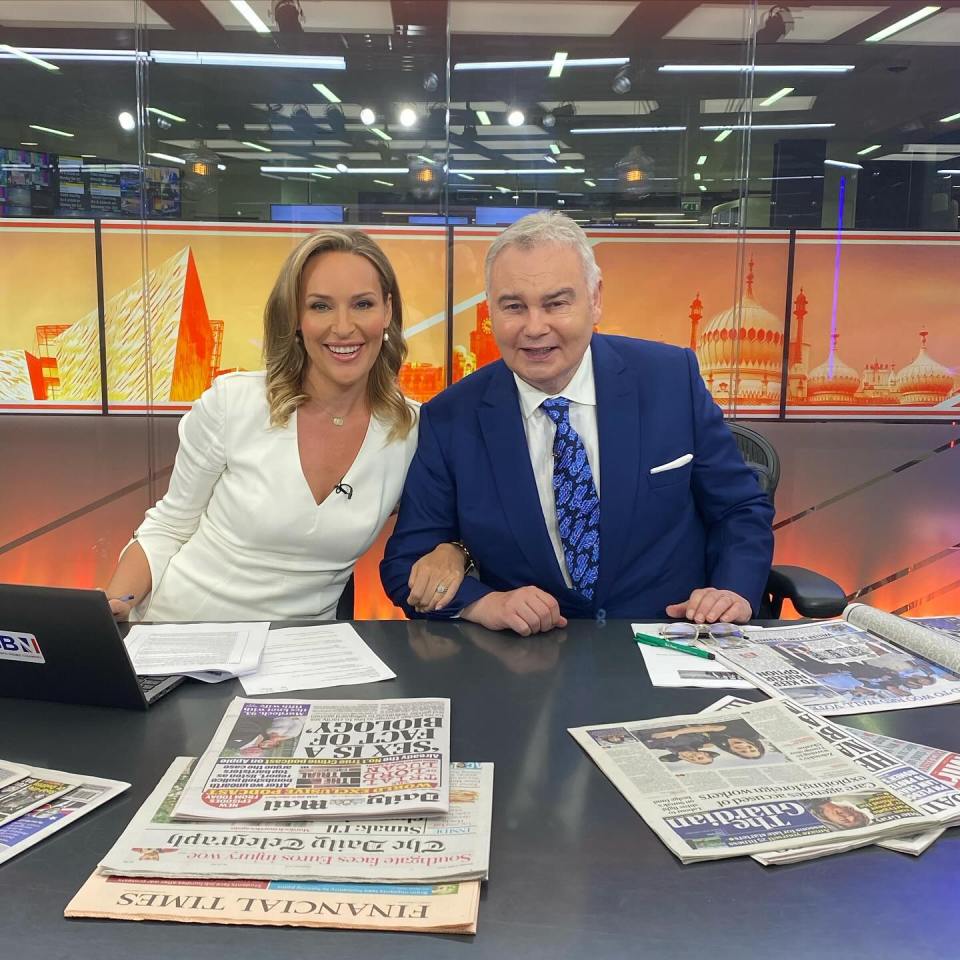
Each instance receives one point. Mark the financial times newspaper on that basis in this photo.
(870, 661)
(927, 777)
(316, 759)
(755, 779)
(413, 850)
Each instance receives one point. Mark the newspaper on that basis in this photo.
(316, 759)
(439, 908)
(757, 779)
(34, 826)
(928, 778)
(9, 772)
(423, 850)
(837, 667)
(27, 794)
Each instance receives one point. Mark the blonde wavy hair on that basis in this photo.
(283, 352)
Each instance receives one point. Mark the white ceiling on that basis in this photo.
(597, 19)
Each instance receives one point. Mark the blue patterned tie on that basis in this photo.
(575, 494)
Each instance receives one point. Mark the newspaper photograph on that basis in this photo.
(835, 668)
(32, 827)
(755, 779)
(317, 759)
(455, 846)
(27, 794)
(9, 772)
(437, 908)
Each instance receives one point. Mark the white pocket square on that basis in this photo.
(673, 464)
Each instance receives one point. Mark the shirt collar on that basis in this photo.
(580, 389)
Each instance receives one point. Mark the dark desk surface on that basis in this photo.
(574, 871)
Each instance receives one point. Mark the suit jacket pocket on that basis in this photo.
(669, 478)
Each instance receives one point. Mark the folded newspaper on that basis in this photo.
(866, 662)
(317, 759)
(414, 850)
(929, 776)
(755, 780)
(438, 908)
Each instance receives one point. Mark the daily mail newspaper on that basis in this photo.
(757, 779)
(317, 759)
(839, 667)
(436, 908)
(413, 850)
(892, 761)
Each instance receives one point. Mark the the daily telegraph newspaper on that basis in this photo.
(32, 827)
(437, 908)
(867, 662)
(315, 759)
(455, 846)
(756, 779)
(926, 777)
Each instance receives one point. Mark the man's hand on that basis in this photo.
(709, 605)
(525, 611)
(435, 578)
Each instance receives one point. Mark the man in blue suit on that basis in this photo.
(584, 475)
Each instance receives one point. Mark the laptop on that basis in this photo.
(64, 645)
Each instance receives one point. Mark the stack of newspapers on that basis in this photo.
(330, 813)
(775, 781)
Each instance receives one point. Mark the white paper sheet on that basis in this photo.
(307, 658)
(207, 651)
(667, 668)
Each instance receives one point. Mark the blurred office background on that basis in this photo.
(773, 185)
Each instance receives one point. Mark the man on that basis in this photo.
(584, 475)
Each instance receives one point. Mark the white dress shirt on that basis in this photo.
(238, 534)
(540, 431)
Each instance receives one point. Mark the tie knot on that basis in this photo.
(557, 408)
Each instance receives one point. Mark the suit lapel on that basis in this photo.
(501, 423)
(618, 428)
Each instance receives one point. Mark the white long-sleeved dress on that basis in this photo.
(239, 536)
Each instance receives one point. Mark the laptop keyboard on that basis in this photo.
(149, 686)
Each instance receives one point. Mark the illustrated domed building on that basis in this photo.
(740, 350)
(924, 381)
(833, 382)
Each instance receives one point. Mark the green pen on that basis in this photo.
(649, 641)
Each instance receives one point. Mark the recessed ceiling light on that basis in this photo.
(167, 156)
(907, 21)
(696, 176)
(701, 160)
(53, 130)
(590, 183)
(211, 58)
(250, 15)
(629, 129)
(382, 134)
(774, 97)
(722, 135)
(408, 117)
(384, 183)
(556, 67)
(330, 96)
(483, 117)
(36, 61)
(368, 117)
(516, 118)
(126, 121)
(842, 163)
(771, 126)
(535, 64)
(757, 68)
(256, 146)
(167, 114)
(554, 148)
(870, 149)
(703, 188)
(28, 143)
(951, 118)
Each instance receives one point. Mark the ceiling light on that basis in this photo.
(383, 135)
(556, 67)
(408, 117)
(163, 113)
(516, 118)
(779, 95)
(341, 167)
(88, 156)
(622, 82)
(841, 163)
(951, 118)
(758, 68)
(384, 183)
(53, 130)
(503, 189)
(535, 64)
(425, 159)
(167, 156)
(126, 121)
(907, 21)
(520, 172)
(554, 148)
(703, 188)
(466, 176)
(590, 183)
(218, 59)
(549, 158)
(701, 160)
(366, 170)
(23, 55)
(221, 166)
(326, 92)
(256, 146)
(722, 135)
(949, 172)
(772, 126)
(870, 149)
(28, 143)
(629, 129)
(322, 176)
(483, 117)
(250, 15)
(368, 117)
(696, 176)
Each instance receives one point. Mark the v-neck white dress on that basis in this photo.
(239, 536)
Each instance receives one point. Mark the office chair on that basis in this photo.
(812, 594)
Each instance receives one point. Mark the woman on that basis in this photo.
(285, 477)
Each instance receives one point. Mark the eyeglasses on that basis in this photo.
(693, 631)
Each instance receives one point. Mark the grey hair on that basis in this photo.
(541, 228)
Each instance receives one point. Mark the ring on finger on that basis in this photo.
(441, 588)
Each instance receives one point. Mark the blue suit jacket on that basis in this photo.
(661, 535)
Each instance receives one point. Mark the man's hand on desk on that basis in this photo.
(525, 611)
(709, 605)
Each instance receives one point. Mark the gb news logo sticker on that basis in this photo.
(20, 646)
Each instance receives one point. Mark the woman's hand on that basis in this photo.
(435, 578)
(120, 609)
